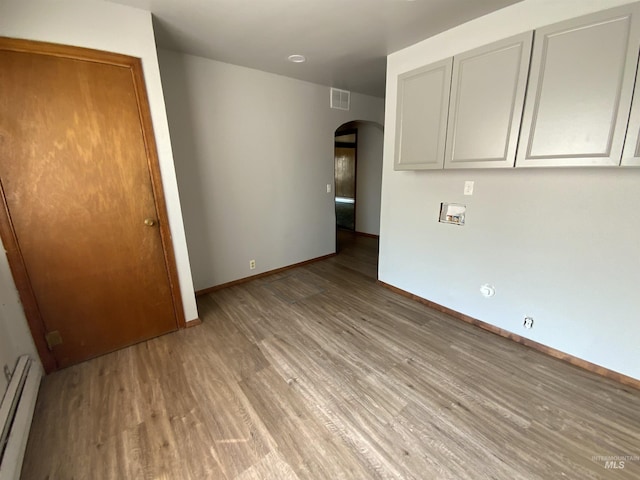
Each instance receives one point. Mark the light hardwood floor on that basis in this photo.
(319, 373)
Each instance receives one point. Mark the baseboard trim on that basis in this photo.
(240, 281)
(193, 323)
(578, 362)
(370, 235)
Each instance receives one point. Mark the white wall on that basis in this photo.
(560, 245)
(369, 177)
(253, 154)
(114, 28)
(15, 339)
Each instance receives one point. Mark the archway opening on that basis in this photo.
(358, 184)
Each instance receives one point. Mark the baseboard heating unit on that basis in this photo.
(16, 412)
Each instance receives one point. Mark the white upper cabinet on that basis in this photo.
(580, 88)
(631, 151)
(487, 98)
(421, 121)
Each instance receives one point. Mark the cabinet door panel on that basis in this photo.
(631, 152)
(577, 106)
(487, 98)
(423, 99)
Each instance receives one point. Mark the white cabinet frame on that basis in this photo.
(421, 118)
(631, 151)
(487, 99)
(580, 88)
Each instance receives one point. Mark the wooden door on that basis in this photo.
(579, 95)
(345, 159)
(487, 97)
(421, 117)
(345, 180)
(85, 222)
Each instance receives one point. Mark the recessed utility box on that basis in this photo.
(452, 213)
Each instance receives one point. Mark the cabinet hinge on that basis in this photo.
(53, 338)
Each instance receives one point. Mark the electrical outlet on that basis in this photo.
(528, 322)
(328, 188)
(468, 187)
(487, 290)
(252, 264)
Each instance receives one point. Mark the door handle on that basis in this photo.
(149, 222)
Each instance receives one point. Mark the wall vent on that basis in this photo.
(340, 99)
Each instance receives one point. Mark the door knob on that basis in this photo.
(149, 222)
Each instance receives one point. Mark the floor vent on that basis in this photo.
(340, 99)
(16, 412)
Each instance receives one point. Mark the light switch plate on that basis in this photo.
(328, 188)
(468, 187)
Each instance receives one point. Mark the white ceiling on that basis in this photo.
(345, 41)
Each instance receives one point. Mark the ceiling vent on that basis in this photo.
(340, 99)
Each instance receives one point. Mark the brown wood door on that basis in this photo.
(76, 179)
(345, 160)
(345, 155)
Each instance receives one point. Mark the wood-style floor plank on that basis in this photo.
(320, 373)
(300, 435)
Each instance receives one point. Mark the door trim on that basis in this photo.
(7, 233)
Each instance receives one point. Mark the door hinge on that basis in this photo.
(53, 338)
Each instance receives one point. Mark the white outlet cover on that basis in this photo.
(468, 187)
(328, 188)
(487, 290)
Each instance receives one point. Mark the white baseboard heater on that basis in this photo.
(16, 412)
